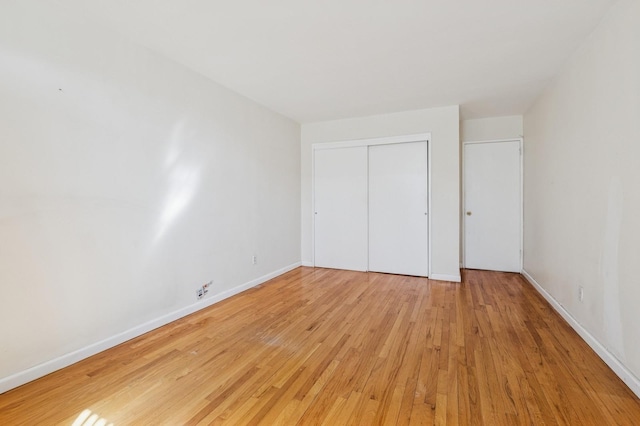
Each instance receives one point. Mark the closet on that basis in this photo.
(370, 205)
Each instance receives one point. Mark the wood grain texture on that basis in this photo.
(320, 346)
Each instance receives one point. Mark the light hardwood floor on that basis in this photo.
(319, 346)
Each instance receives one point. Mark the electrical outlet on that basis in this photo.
(254, 259)
(205, 288)
(581, 293)
(200, 293)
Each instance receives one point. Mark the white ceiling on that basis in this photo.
(330, 59)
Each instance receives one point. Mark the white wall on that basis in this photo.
(443, 123)
(582, 187)
(126, 181)
(492, 128)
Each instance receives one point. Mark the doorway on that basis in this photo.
(370, 205)
(492, 214)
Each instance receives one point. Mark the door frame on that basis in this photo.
(464, 195)
(418, 137)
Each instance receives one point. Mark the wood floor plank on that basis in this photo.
(321, 346)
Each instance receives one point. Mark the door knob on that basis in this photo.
(468, 213)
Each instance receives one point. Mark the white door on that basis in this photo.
(398, 208)
(493, 206)
(340, 208)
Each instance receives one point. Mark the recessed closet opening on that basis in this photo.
(371, 205)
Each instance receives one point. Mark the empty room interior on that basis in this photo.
(337, 212)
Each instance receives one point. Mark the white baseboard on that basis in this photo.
(40, 370)
(307, 263)
(444, 277)
(618, 367)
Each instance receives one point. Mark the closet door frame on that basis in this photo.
(419, 137)
(463, 226)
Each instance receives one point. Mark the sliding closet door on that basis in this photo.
(398, 209)
(340, 208)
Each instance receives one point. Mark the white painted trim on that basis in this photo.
(463, 241)
(313, 207)
(40, 370)
(618, 367)
(521, 141)
(418, 137)
(307, 263)
(444, 277)
(368, 211)
(429, 234)
(493, 140)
